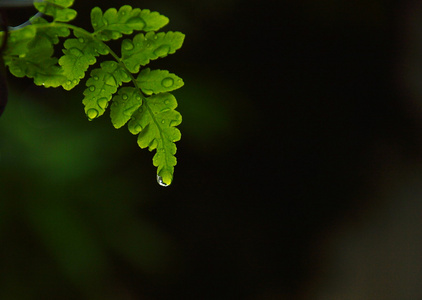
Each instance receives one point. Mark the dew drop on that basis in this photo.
(153, 145)
(138, 128)
(92, 113)
(174, 123)
(115, 35)
(96, 78)
(160, 181)
(68, 82)
(102, 102)
(167, 82)
(76, 52)
(111, 81)
(81, 40)
(91, 61)
(127, 45)
(124, 97)
(136, 23)
(167, 102)
(163, 50)
(92, 88)
(75, 81)
(162, 122)
(129, 111)
(147, 91)
(148, 45)
(125, 76)
(138, 98)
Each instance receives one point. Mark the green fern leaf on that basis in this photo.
(124, 105)
(58, 9)
(18, 41)
(79, 54)
(113, 24)
(102, 84)
(147, 47)
(50, 32)
(158, 81)
(29, 54)
(155, 122)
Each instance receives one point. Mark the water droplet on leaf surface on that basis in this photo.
(137, 23)
(147, 91)
(92, 88)
(174, 123)
(76, 52)
(160, 181)
(167, 82)
(127, 45)
(163, 50)
(92, 113)
(115, 35)
(138, 128)
(102, 102)
(111, 81)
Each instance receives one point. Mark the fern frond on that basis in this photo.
(29, 53)
(79, 54)
(125, 103)
(102, 84)
(155, 123)
(147, 47)
(147, 106)
(113, 24)
(58, 9)
(158, 81)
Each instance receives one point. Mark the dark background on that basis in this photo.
(301, 122)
